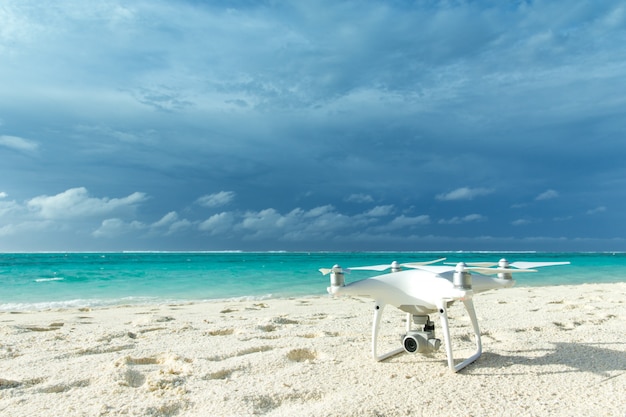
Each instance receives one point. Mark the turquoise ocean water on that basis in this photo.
(36, 281)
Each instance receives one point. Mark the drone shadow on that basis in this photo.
(596, 358)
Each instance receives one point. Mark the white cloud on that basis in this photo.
(111, 228)
(406, 221)
(314, 212)
(465, 219)
(76, 203)
(298, 224)
(547, 195)
(359, 198)
(18, 144)
(325, 225)
(107, 133)
(264, 221)
(26, 227)
(380, 211)
(3, 194)
(172, 223)
(167, 225)
(599, 209)
(218, 223)
(464, 193)
(217, 199)
(166, 220)
(178, 226)
(563, 218)
(474, 218)
(8, 207)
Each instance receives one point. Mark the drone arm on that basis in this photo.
(378, 312)
(443, 313)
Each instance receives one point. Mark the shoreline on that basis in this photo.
(96, 304)
(557, 350)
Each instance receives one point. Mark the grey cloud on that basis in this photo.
(547, 195)
(76, 203)
(464, 193)
(464, 219)
(17, 143)
(217, 199)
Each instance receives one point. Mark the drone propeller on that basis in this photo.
(394, 265)
(525, 265)
(503, 263)
(460, 267)
(484, 270)
(335, 269)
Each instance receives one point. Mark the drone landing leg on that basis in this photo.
(469, 306)
(378, 312)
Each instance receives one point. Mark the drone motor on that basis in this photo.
(504, 264)
(337, 278)
(462, 278)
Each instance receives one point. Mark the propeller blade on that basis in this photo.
(520, 264)
(440, 269)
(425, 262)
(336, 268)
(497, 270)
(526, 265)
(371, 268)
(381, 268)
(436, 269)
(482, 264)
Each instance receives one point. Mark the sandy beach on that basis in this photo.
(546, 351)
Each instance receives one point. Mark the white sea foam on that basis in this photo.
(78, 303)
(49, 279)
(88, 303)
(237, 299)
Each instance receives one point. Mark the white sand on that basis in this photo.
(546, 351)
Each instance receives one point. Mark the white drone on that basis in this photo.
(427, 289)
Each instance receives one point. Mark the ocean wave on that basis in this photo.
(236, 299)
(49, 279)
(115, 302)
(78, 303)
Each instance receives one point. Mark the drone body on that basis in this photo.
(426, 290)
(417, 288)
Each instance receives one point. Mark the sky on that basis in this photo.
(312, 125)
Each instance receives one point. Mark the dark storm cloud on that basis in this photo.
(316, 125)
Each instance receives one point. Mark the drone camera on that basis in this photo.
(416, 341)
